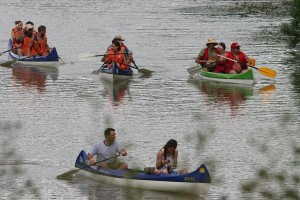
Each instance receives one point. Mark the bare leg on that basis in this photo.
(20, 52)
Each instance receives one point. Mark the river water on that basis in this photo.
(49, 116)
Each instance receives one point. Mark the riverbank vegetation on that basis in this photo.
(292, 29)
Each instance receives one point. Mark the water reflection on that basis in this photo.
(96, 190)
(267, 91)
(116, 91)
(30, 76)
(232, 94)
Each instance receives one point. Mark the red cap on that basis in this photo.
(235, 45)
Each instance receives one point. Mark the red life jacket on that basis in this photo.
(241, 60)
(220, 67)
(205, 56)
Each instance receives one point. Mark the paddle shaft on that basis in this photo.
(263, 70)
(136, 66)
(236, 61)
(69, 173)
(97, 55)
(103, 160)
(6, 51)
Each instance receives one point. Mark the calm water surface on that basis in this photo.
(60, 112)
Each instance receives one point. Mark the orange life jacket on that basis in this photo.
(16, 32)
(44, 46)
(26, 44)
(118, 57)
(35, 48)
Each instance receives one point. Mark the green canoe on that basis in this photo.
(246, 78)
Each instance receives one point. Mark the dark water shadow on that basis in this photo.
(116, 91)
(33, 76)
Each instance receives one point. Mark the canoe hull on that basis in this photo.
(50, 60)
(165, 186)
(246, 78)
(195, 183)
(114, 74)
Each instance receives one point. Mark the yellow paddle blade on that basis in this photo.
(267, 72)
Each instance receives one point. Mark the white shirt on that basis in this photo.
(104, 151)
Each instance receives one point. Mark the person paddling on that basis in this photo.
(208, 56)
(220, 65)
(116, 55)
(238, 61)
(108, 148)
(16, 34)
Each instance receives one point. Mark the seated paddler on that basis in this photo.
(106, 152)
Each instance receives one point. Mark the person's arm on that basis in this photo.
(12, 34)
(123, 152)
(199, 57)
(46, 43)
(20, 34)
(131, 57)
(119, 149)
(175, 159)
(104, 59)
(159, 159)
(91, 159)
(91, 154)
(126, 60)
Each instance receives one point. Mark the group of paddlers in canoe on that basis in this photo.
(215, 58)
(26, 41)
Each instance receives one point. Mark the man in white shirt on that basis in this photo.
(106, 149)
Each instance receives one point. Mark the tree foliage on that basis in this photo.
(292, 29)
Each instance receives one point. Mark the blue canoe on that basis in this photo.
(195, 183)
(114, 73)
(50, 60)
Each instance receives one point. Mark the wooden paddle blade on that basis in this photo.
(145, 71)
(67, 174)
(8, 63)
(267, 72)
(194, 70)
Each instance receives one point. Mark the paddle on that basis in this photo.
(6, 51)
(87, 56)
(197, 69)
(71, 172)
(142, 71)
(98, 70)
(263, 70)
